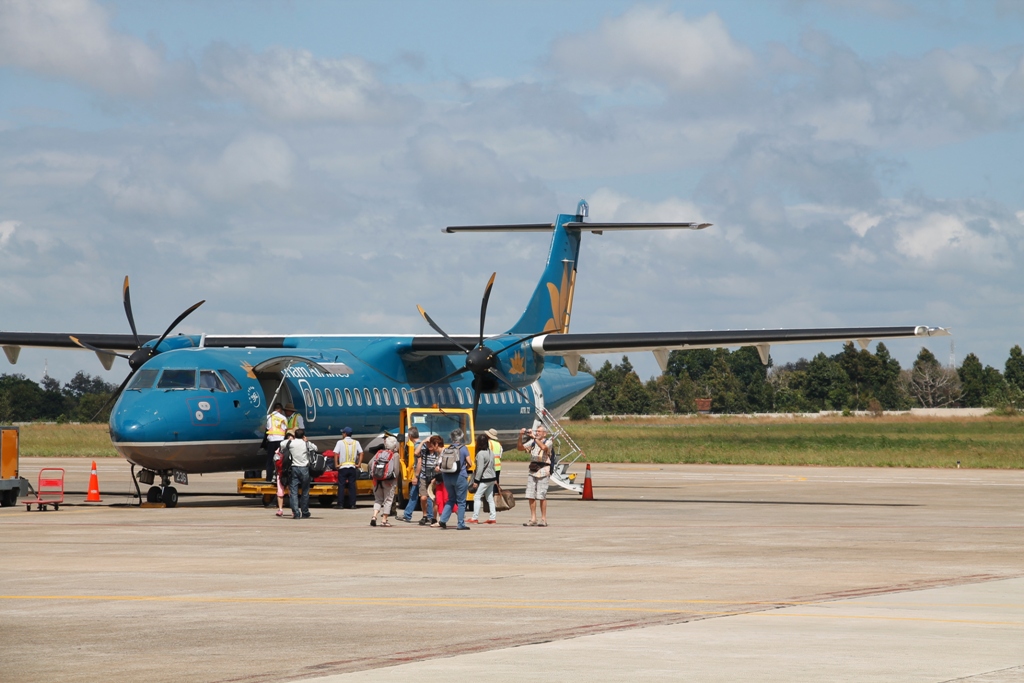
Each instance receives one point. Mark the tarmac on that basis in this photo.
(704, 573)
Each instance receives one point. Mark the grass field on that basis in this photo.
(899, 441)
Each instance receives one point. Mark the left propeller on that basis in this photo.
(142, 353)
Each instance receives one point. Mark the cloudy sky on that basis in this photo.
(293, 163)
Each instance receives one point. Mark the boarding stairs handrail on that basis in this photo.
(567, 452)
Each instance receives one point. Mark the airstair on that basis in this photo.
(566, 453)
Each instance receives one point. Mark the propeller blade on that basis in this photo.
(113, 397)
(483, 308)
(438, 329)
(476, 404)
(464, 369)
(128, 310)
(522, 339)
(176, 321)
(90, 347)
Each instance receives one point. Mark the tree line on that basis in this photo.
(79, 400)
(738, 382)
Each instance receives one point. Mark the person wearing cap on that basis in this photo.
(295, 420)
(385, 460)
(494, 446)
(350, 457)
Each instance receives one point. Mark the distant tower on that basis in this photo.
(952, 354)
(46, 368)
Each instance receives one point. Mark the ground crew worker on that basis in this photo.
(277, 425)
(350, 457)
(295, 420)
(494, 446)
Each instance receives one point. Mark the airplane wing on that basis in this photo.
(571, 346)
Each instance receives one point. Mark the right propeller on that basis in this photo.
(481, 360)
(141, 354)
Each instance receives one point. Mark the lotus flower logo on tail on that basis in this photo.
(561, 300)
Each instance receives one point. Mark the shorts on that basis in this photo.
(537, 488)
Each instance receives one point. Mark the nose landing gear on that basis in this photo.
(164, 493)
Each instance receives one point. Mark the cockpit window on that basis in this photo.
(209, 380)
(229, 379)
(177, 379)
(143, 379)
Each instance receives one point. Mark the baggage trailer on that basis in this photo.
(325, 492)
(12, 484)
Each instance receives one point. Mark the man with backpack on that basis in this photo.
(455, 469)
(297, 451)
(384, 473)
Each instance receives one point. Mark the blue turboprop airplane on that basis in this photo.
(198, 403)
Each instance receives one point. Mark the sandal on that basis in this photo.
(385, 524)
(531, 523)
(542, 524)
(280, 513)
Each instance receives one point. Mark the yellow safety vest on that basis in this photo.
(293, 420)
(349, 454)
(277, 425)
(495, 448)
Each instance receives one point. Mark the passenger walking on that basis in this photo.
(413, 445)
(426, 471)
(298, 448)
(484, 479)
(384, 472)
(350, 459)
(277, 425)
(455, 482)
(494, 446)
(283, 474)
(540, 448)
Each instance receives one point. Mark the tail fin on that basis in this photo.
(550, 306)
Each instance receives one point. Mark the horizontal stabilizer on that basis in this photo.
(596, 228)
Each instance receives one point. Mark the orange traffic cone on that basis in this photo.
(588, 487)
(94, 487)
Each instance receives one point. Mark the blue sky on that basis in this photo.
(292, 163)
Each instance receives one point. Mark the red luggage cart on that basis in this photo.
(50, 490)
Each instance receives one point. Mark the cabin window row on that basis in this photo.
(386, 397)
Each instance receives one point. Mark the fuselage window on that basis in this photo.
(376, 395)
(387, 397)
(458, 392)
(487, 398)
(177, 379)
(405, 396)
(328, 397)
(230, 380)
(366, 395)
(433, 395)
(308, 396)
(348, 398)
(319, 399)
(209, 380)
(394, 395)
(415, 397)
(143, 379)
(503, 397)
(451, 396)
(359, 400)
(469, 396)
(337, 398)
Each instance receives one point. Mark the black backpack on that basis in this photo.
(317, 462)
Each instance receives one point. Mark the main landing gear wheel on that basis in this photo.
(153, 494)
(170, 496)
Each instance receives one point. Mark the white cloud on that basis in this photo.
(294, 85)
(253, 161)
(7, 229)
(652, 45)
(72, 40)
